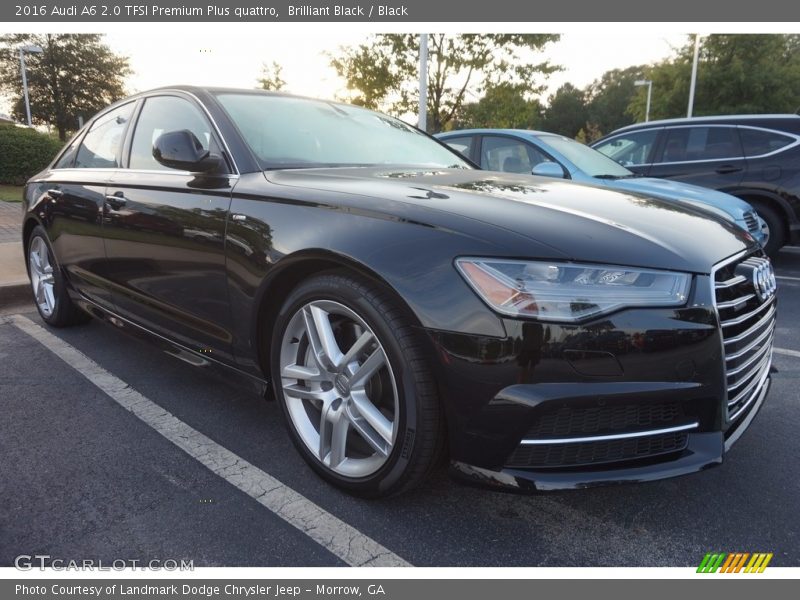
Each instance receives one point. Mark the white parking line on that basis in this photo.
(787, 278)
(786, 352)
(339, 538)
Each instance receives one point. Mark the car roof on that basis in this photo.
(196, 90)
(753, 120)
(214, 90)
(489, 130)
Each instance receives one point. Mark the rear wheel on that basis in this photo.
(351, 378)
(49, 288)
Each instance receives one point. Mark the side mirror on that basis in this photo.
(549, 169)
(182, 150)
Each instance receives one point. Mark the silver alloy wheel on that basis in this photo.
(42, 278)
(765, 232)
(339, 388)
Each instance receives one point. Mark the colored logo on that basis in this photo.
(735, 562)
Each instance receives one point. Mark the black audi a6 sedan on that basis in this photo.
(402, 304)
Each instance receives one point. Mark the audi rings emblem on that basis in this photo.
(760, 273)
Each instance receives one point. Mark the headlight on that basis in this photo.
(552, 291)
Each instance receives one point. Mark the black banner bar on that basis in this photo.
(471, 11)
(391, 589)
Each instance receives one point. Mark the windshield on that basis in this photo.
(285, 132)
(588, 160)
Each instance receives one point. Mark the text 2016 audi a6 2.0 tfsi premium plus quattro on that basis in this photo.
(402, 304)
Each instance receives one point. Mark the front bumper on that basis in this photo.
(639, 395)
(754, 226)
(701, 451)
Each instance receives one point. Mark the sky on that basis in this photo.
(226, 60)
(232, 59)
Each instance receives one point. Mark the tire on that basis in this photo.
(352, 380)
(776, 225)
(48, 285)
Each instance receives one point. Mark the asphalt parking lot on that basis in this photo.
(86, 476)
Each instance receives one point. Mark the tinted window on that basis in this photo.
(509, 155)
(162, 114)
(630, 148)
(701, 143)
(101, 147)
(757, 141)
(461, 144)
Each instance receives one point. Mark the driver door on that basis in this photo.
(165, 234)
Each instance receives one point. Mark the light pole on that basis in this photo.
(423, 82)
(649, 84)
(693, 82)
(22, 51)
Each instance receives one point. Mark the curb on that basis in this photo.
(14, 293)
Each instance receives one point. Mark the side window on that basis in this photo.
(461, 144)
(701, 143)
(102, 145)
(632, 148)
(759, 141)
(161, 114)
(509, 155)
(67, 159)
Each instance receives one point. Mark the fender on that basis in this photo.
(414, 265)
(283, 277)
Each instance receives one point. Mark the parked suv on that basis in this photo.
(754, 157)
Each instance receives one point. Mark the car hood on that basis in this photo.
(578, 222)
(675, 190)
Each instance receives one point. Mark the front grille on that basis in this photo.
(549, 456)
(569, 421)
(748, 325)
(751, 220)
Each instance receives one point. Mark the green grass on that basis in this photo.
(11, 193)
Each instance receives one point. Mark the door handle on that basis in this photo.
(725, 169)
(116, 200)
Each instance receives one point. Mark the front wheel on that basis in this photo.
(351, 377)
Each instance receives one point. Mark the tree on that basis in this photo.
(271, 77)
(589, 133)
(670, 93)
(749, 74)
(566, 112)
(75, 76)
(382, 73)
(504, 106)
(608, 99)
(737, 74)
(24, 152)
